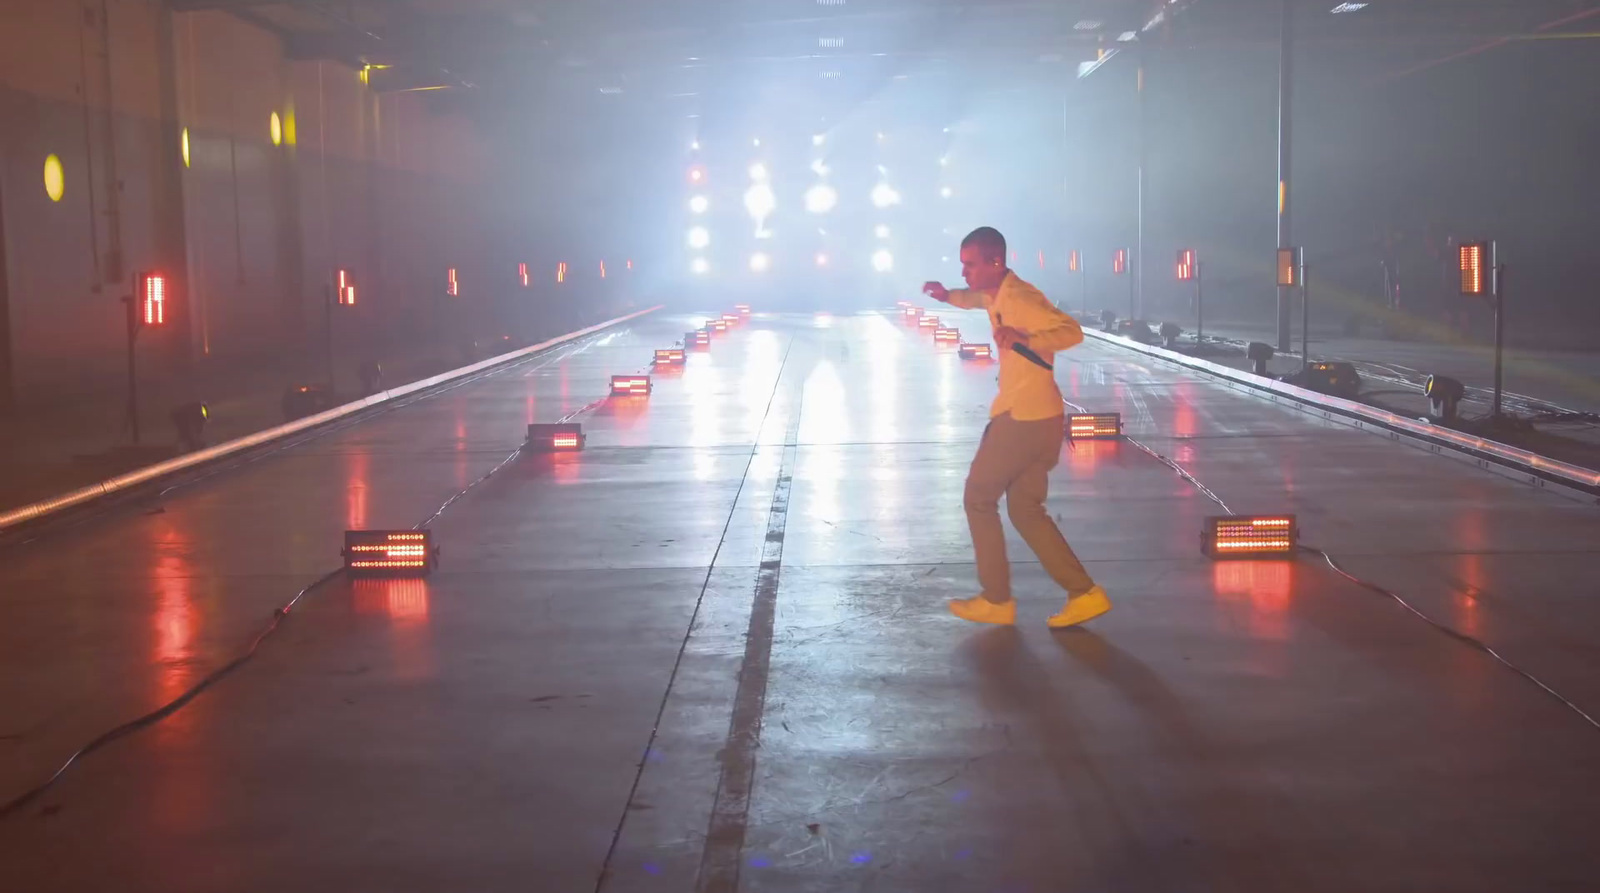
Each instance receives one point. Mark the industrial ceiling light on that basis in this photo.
(760, 262)
(700, 266)
(758, 171)
(821, 198)
(699, 204)
(881, 231)
(882, 260)
(699, 237)
(883, 195)
(759, 201)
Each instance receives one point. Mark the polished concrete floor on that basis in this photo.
(711, 652)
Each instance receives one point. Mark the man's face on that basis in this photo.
(981, 272)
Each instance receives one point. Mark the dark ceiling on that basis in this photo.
(658, 49)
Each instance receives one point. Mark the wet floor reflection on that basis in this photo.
(1255, 595)
(406, 605)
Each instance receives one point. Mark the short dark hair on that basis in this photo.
(988, 240)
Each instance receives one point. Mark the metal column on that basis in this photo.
(1285, 192)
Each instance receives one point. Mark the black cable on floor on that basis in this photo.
(1453, 633)
(178, 703)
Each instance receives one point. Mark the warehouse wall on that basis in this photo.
(250, 224)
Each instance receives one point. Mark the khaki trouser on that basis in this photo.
(1015, 458)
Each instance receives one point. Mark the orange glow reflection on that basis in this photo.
(1084, 455)
(1259, 590)
(357, 467)
(400, 600)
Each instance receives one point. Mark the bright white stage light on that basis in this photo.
(760, 262)
(700, 266)
(699, 204)
(818, 139)
(699, 237)
(822, 259)
(883, 195)
(758, 172)
(759, 201)
(821, 198)
(881, 231)
(882, 260)
(818, 168)
(944, 192)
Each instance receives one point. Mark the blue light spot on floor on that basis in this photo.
(861, 857)
(760, 862)
(652, 868)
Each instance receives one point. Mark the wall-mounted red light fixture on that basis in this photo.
(1074, 261)
(522, 274)
(153, 299)
(1186, 265)
(561, 272)
(1119, 261)
(602, 269)
(344, 286)
(452, 285)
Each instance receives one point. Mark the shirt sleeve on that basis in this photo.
(967, 299)
(1047, 327)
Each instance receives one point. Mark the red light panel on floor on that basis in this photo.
(947, 336)
(730, 318)
(1094, 426)
(399, 553)
(975, 352)
(555, 437)
(928, 322)
(630, 385)
(742, 309)
(719, 324)
(912, 313)
(153, 298)
(670, 356)
(697, 338)
(1250, 536)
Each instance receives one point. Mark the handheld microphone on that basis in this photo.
(1026, 351)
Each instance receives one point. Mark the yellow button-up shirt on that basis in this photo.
(1027, 391)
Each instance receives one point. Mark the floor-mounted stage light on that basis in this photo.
(1250, 536)
(301, 400)
(978, 351)
(630, 385)
(389, 553)
(1259, 352)
(555, 437)
(1094, 426)
(1444, 396)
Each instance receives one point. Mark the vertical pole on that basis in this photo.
(1285, 113)
(1136, 269)
(133, 378)
(1499, 324)
(7, 385)
(1305, 317)
(1199, 305)
(327, 313)
(1133, 307)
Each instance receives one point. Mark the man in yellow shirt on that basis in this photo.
(1023, 440)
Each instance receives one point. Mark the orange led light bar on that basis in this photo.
(731, 318)
(1119, 261)
(1250, 536)
(1094, 426)
(555, 437)
(522, 274)
(452, 288)
(975, 352)
(928, 322)
(345, 290)
(1074, 262)
(402, 553)
(697, 338)
(153, 298)
(913, 312)
(942, 335)
(669, 356)
(630, 385)
(742, 309)
(1474, 261)
(1186, 264)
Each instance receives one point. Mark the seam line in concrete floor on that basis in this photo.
(730, 810)
(705, 585)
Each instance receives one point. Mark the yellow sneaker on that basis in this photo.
(980, 610)
(1079, 608)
